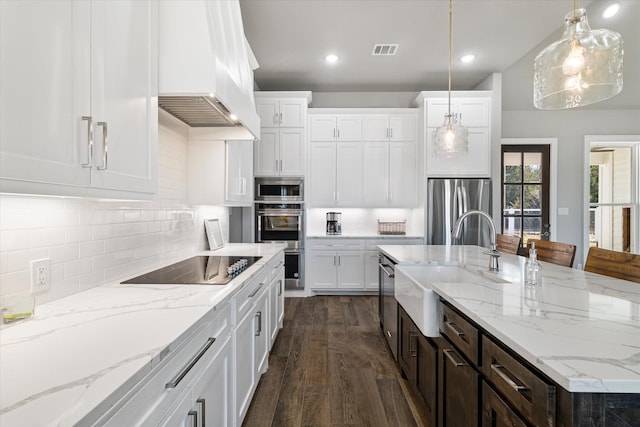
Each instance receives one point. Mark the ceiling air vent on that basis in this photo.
(384, 49)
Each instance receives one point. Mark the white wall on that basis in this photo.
(570, 127)
(93, 242)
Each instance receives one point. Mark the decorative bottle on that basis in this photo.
(532, 268)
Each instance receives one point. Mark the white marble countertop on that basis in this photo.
(78, 355)
(580, 329)
(363, 236)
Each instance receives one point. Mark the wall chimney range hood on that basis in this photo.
(205, 69)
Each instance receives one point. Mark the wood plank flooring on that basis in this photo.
(330, 366)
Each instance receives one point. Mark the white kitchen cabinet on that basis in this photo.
(335, 270)
(336, 174)
(371, 277)
(209, 400)
(280, 152)
(343, 127)
(284, 112)
(239, 173)
(390, 177)
(85, 102)
(276, 303)
(385, 127)
(262, 332)
(245, 380)
(475, 113)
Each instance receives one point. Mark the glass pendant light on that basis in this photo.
(451, 138)
(582, 68)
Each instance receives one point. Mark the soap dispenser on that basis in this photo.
(532, 268)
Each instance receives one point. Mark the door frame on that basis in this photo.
(612, 140)
(553, 176)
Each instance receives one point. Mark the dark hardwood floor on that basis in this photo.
(330, 367)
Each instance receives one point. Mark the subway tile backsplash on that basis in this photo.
(92, 242)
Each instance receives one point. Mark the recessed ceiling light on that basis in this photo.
(331, 58)
(233, 117)
(611, 10)
(468, 58)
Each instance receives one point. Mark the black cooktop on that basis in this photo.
(199, 270)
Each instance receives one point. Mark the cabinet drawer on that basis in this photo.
(243, 301)
(461, 333)
(496, 412)
(273, 268)
(335, 244)
(523, 389)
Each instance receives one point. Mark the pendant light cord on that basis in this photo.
(450, 48)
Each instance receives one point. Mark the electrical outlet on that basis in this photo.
(40, 275)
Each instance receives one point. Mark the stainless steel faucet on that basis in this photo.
(493, 252)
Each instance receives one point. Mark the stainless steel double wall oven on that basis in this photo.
(280, 218)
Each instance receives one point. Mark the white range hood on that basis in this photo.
(206, 67)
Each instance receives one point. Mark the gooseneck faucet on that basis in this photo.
(493, 252)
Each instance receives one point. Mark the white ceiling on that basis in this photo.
(290, 38)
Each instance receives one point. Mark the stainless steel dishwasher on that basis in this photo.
(387, 305)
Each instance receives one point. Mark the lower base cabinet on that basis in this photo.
(458, 390)
(496, 412)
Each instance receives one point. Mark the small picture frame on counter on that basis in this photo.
(214, 234)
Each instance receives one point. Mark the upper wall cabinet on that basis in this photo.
(384, 127)
(281, 149)
(79, 110)
(474, 109)
(343, 127)
(282, 112)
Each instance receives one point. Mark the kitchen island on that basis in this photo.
(79, 356)
(578, 330)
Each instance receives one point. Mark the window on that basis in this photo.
(525, 191)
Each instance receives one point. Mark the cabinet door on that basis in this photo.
(323, 128)
(323, 174)
(371, 271)
(239, 173)
(407, 336)
(124, 104)
(45, 87)
(350, 270)
(426, 371)
(403, 187)
(349, 128)
(266, 153)
(321, 270)
(293, 112)
(262, 335)
(268, 112)
(244, 369)
(376, 174)
(213, 393)
(459, 392)
(349, 174)
(474, 112)
(436, 110)
(402, 128)
(376, 127)
(496, 412)
(276, 305)
(475, 163)
(291, 152)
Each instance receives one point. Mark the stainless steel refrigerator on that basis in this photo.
(447, 199)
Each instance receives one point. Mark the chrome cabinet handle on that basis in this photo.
(203, 411)
(176, 380)
(280, 165)
(387, 272)
(280, 118)
(256, 291)
(259, 330)
(275, 118)
(334, 133)
(89, 120)
(449, 353)
(279, 287)
(500, 370)
(413, 352)
(194, 418)
(453, 327)
(338, 133)
(105, 144)
(389, 333)
(276, 165)
(391, 133)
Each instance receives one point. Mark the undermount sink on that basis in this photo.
(413, 291)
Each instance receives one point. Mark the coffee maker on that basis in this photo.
(333, 223)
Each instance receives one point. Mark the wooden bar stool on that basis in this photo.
(508, 244)
(554, 252)
(621, 265)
